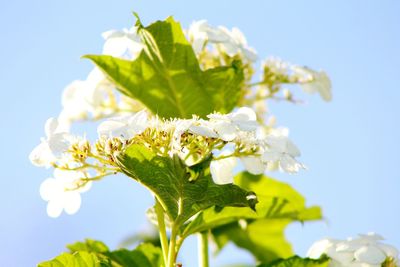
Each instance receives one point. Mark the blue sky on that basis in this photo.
(350, 145)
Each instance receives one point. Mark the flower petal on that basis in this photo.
(50, 189)
(222, 170)
(54, 208)
(253, 165)
(72, 202)
(370, 254)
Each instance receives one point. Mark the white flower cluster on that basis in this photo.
(228, 137)
(363, 251)
(311, 81)
(229, 42)
(238, 130)
(96, 96)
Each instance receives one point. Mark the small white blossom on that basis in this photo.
(52, 146)
(203, 128)
(315, 82)
(282, 151)
(253, 164)
(124, 127)
(63, 192)
(180, 126)
(90, 96)
(73, 102)
(237, 44)
(125, 43)
(200, 32)
(222, 169)
(231, 42)
(364, 251)
(228, 125)
(93, 95)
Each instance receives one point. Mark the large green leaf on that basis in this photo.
(261, 233)
(296, 261)
(88, 245)
(143, 255)
(276, 200)
(169, 179)
(78, 259)
(166, 76)
(264, 238)
(95, 254)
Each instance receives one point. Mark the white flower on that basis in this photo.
(222, 169)
(364, 251)
(237, 44)
(124, 127)
(231, 42)
(98, 88)
(228, 125)
(125, 43)
(180, 126)
(315, 82)
(89, 96)
(279, 149)
(73, 102)
(200, 32)
(52, 146)
(225, 129)
(203, 128)
(63, 192)
(253, 164)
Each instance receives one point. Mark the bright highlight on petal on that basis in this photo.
(222, 170)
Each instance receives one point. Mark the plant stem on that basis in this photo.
(203, 249)
(172, 248)
(162, 229)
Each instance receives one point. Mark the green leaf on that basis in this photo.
(296, 261)
(166, 77)
(168, 179)
(95, 254)
(78, 259)
(143, 255)
(264, 238)
(88, 245)
(276, 200)
(261, 233)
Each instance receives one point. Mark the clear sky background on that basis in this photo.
(350, 145)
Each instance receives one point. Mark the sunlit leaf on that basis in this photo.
(88, 245)
(91, 253)
(261, 232)
(296, 261)
(166, 77)
(168, 179)
(78, 259)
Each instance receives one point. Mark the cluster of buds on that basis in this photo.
(109, 147)
(80, 150)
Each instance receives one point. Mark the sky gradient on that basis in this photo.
(349, 145)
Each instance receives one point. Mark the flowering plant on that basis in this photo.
(181, 112)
